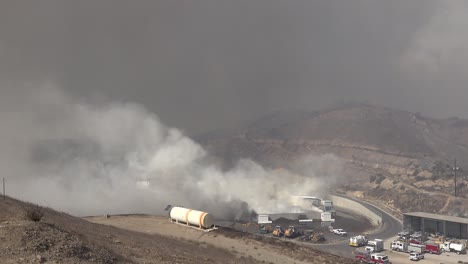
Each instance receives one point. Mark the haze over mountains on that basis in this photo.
(356, 126)
(398, 147)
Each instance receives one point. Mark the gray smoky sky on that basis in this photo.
(210, 64)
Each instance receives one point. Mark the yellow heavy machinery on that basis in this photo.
(291, 232)
(312, 237)
(278, 231)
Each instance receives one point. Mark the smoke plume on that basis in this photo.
(87, 159)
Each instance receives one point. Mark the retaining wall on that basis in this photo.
(357, 208)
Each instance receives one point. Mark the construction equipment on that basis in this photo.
(318, 238)
(440, 239)
(278, 232)
(264, 229)
(310, 236)
(291, 232)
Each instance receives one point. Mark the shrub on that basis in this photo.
(379, 179)
(419, 178)
(34, 213)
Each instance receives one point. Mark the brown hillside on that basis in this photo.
(403, 147)
(61, 238)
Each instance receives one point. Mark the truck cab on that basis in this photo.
(459, 248)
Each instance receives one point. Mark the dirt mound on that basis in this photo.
(61, 238)
(24, 241)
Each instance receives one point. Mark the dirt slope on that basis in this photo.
(242, 244)
(62, 238)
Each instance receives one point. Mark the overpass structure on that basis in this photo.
(449, 226)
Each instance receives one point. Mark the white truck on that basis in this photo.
(339, 232)
(327, 206)
(374, 246)
(417, 248)
(453, 247)
(358, 241)
(370, 258)
(399, 246)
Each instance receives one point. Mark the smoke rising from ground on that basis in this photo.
(86, 159)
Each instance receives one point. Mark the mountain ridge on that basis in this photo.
(372, 140)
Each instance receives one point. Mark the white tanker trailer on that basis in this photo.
(191, 217)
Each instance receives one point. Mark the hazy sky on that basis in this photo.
(202, 65)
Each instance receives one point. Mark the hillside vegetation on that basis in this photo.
(390, 155)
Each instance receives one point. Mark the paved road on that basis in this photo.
(389, 227)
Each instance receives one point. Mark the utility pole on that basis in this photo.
(4, 195)
(455, 169)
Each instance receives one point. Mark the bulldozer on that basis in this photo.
(264, 229)
(278, 231)
(291, 232)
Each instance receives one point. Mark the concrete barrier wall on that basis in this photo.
(356, 207)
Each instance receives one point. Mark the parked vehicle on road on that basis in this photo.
(459, 248)
(417, 248)
(371, 258)
(339, 232)
(432, 248)
(404, 235)
(416, 256)
(374, 246)
(399, 246)
(358, 241)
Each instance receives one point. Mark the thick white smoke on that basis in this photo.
(86, 159)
